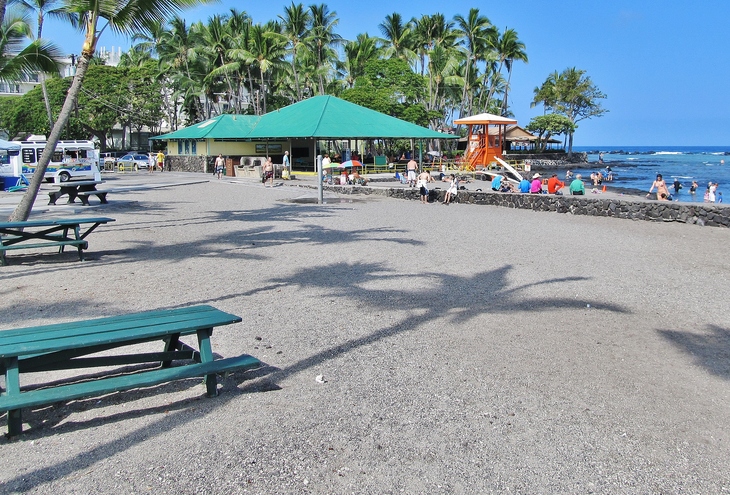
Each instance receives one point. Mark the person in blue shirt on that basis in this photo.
(524, 186)
(497, 183)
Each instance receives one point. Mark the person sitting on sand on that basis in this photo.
(555, 185)
(577, 188)
(451, 191)
(524, 186)
(536, 184)
(508, 187)
(359, 179)
(497, 183)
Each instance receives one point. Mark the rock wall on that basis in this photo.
(656, 211)
(549, 161)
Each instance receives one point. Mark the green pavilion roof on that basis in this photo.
(319, 117)
(221, 127)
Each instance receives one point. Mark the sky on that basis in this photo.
(663, 65)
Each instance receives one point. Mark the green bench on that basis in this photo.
(59, 232)
(76, 345)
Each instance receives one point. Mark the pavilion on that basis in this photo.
(296, 128)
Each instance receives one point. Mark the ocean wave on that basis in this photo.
(669, 153)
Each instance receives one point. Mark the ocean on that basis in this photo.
(636, 167)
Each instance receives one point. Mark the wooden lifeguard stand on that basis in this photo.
(485, 139)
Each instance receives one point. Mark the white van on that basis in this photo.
(72, 159)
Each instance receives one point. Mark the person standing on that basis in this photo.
(268, 171)
(219, 166)
(287, 164)
(423, 179)
(412, 166)
(662, 192)
(713, 190)
(161, 160)
(677, 185)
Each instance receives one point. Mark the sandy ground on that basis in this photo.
(464, 349)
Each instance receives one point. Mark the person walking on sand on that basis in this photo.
(423, 179)
(412, 165)
(219, 166)
(268, 172)
(161, 160)
(662, 192)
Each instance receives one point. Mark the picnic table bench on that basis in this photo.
(59, 232)
(79, 189)
(61, 347)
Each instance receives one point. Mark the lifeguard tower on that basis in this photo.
(485, 139)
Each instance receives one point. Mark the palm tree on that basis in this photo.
(294, 22)
(510, 48)
(42, 8)
(474, 31)
(357, 54)
(322, 40)
(125, 16)
(268, 47)
(399, 36)
(17, 56)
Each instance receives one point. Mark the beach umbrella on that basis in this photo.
(350, 164)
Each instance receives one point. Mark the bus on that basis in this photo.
(72, 159)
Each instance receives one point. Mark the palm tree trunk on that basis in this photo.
(296, 75)
(42, 77)
(22, 211)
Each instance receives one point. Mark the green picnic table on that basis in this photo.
(64, 346)
(52, 232)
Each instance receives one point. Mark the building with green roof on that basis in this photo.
(297, 128)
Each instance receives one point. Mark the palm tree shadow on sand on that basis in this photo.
(373, 285)
(710, 350)
(459, 299)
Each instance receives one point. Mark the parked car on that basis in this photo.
(134, 161)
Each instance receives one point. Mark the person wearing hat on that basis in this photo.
(536, 185)
(555, 185)
(577, 188)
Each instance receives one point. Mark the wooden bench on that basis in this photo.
(59, 232)
(61, 347)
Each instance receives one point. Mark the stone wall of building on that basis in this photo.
(657, 211)
(186, 163)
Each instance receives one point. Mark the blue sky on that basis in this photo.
(664, 65)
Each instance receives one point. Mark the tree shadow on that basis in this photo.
(710, 350)
(376, 287)
(460, 299)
